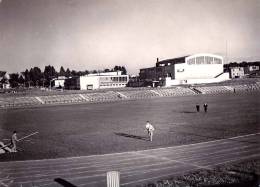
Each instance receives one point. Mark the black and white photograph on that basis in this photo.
(129, 93)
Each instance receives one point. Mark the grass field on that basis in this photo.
(87, 129)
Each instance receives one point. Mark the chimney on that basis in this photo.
(157, 60)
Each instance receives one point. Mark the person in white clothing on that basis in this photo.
(13, 141)
(150, 130)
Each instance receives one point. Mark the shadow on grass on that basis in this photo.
(188, 112)
(132, 136)
(64, 183)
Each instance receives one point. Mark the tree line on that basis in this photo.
(36, 77)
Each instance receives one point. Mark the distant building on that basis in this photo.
(192, 69)
(252, 70)
(59, 82)
(4, 80)
(72, 83)
(237, 72)
(98, 81)
(240, 72)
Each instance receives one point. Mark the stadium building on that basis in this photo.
(102, 80)
(193, 69)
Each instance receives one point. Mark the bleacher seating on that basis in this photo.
(246, 87)
(101, 96)
(19, 101)
(139, 94)
(176, 91)
(70, 98)
(128, 93)
(214, 89)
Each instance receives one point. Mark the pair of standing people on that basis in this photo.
(205, 107)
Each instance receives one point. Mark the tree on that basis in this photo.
(74, 73)
(86, 72)
(67, 73)
(116, 68)
(3, 78)
(49, 74)
(14, 80)
(62, 71)
(124, 72)
(35, 75)
(27, 78)
(120, 68)
(21, 79)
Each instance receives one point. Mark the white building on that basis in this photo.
(103, 80)
(237, 72)
(59, 82)
(200, 68)
(192, 69)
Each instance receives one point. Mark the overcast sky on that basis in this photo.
(99, 34)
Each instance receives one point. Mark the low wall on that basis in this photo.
(222, 77)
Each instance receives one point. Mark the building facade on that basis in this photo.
(103, 80)
(59, 82)
(237, 72)
(192, 69)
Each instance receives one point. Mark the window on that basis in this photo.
(200, 60)
(180, 70)
(191, 61)
(209, 60)
(217, 61)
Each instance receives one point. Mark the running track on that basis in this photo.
(135, 167)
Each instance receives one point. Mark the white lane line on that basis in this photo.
(64, 165)
(122, 172)
(157, 177)
(132, 152)
(172, 174)
(234, 137)
(69, 161)
(165, 149)
(177, 161)
(226, 152)
(128, 152)
(193, 149)
(235, 160)
(235, 155)
(201, 143)
(117, 166)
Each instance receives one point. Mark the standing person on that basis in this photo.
(150, 130)
(198, 107)
(205, 107)
(13, 141)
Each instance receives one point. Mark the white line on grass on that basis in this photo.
(113, 154)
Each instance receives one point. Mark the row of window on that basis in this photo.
(204, 60)
(114, 79)
(112, 85)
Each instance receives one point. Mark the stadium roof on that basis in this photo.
(172, 61)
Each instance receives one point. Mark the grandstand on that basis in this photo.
(214, 89)
(127, 94)
(139, 94)
(177, 91)
(70, 98)
(19, 101)
(101, 96)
